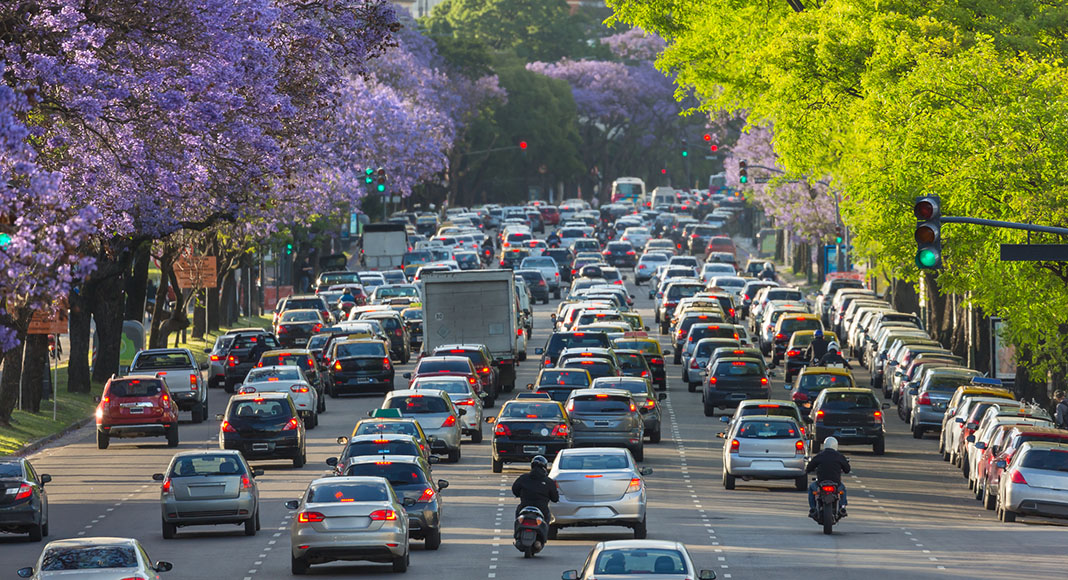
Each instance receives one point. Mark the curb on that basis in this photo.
(36, 445)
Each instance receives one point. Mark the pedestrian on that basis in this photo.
(1060, 413)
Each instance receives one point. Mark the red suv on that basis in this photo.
(136, 406)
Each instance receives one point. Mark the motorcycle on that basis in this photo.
(487, 256)
(531, 531)
(828, 497)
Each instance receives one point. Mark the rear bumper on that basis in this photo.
(850, 435)
(630, 509)
(374, 546)
(209, 511)
(927, 416)
(632, 438)
(772, 468)
(509, 451)
(730, 399)
(288, 448)
(137, 429)
(23, 513)
(362, 382)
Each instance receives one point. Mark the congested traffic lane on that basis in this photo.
(917, 508)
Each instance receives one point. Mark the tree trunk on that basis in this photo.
(35, 365)
(983, 346)
(226, 300)
(80, 325)
(108, 309)
(9, 384)
(200, 312)
(903, 296)
(212, 324)
(137, 284)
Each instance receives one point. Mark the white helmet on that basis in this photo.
(832, 347)
(830, 443)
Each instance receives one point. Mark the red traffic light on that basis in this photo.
(663, 172)
(708, 137)
(925, 209)
(523, 145)
(715, 147)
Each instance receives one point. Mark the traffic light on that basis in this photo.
(685, 153)
(523, 145)
(708, 137)
(714, 147)
(5, 230)
(928, 212)
(663, 171)
(381, 179)
(369, 176)
(743, 172)
(289, 248)
(5, 239)
(838, 235)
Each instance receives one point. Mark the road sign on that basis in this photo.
(195, 272)
(1034, 252)
(46, 322)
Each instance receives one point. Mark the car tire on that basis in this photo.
(1006, 515)
(498, 465)
(228, 387)
(639, 453)
(978, 490)
(917, 432)
(641, 530)
(313, 421)
(556, 294)
(44, 529)
(169, 530)
(400, 564)
(990, 501)
(299, 461)
(298, 566)
(432, 540)
(454, 455)
(554, 531)
(250, 526)
(691, 387)
(407, 356)
(728, 481)
(320, 407)
(36, 533)
(257, 518)
(198, 414)
(677, 357)
(664, 328)
(172, 436)
(815, 446)
(489, 402)
(654, 436)
(476, 437)
(879, 447)
(710, 411)
(102, 440)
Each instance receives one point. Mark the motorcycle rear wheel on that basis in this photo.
(828, 519)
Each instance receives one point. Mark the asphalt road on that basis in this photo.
(911, 515)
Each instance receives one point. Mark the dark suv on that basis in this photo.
(400, 345)
(528, 427)
(732, 380)
(136, 406)
(263, 426)
(620, 254)
(359, 366)
(243, 354)
(853, 416)
(410, 477)
(480, 356)
(564, 340)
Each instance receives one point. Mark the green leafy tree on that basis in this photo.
(533, 29)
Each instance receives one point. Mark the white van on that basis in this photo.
(663, 197)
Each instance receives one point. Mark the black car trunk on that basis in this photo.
(6, 496)
(531, 429)
(361, 364)
(259, 427)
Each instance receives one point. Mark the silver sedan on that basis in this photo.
(349, 518)
(764, 447)
(1035, 482)
(463, 396)
(209, 487)
(639, 560)
(599, 486)
(95, 559)
(439, 418)
(286, 379)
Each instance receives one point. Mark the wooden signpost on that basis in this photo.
(196, 272)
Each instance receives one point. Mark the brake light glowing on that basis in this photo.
(819, 415)
(466, 402)
(449, 421)
(383, 516)
(561, 430)
(299, 389)
(428, 494)
(763, 380)
(793, 352)
(165, 488)
(309, 517)
(231, 360)
(337, 365)
(780, 336)
(735, 444)
(712, 380)
(635, 485)
(246, 483)
(291, 425)
(228, 428)
(877, 416)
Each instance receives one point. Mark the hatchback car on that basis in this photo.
(853, 416)
(207, 488)
(811, 380)
(463, 395)
(606, 418)
(599, 486)
(641, 390)
(1035, 482)
(348, 518)
(294, 327)
(732, 380)
(23, 500)
(650, 349)
(380, 445)
(95, 558)
(359, 366)
(410, 478)
(136, 406)
(637, 559)
(764, 447)
(525, 428)
(480, 357)
(381, 424)
(263, 426)
(439, 418)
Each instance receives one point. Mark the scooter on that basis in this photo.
(531, 531)
(828, 496)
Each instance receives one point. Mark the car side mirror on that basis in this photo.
(96, 399)
(28, 573)
(461, 412)
(331, 461)
(724, 419)
(45, 478)
(530, 386)
(886, 406)
(158, 477)
(442, 484)
(407, 375)
(491, 420)
(788, 387)
(970, 439)
(959, 420)
(646, 471)
(433, 460)
(408, 502)
(292, 504)
(219, 416)
(257, 472)
(539, 350)
(568, 575)
(1001, 464)
(207, 351)
(667, 352)
(706, 575)
(980, 445)
(162, 566)
(721, 435)
(370, 413)
(973, 425)
(342, 440)
(661, 396)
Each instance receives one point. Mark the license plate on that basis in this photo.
(259, 447)
(300, 341)
(366, 380)
(848, 431)
(137, 410)
(537, 449)
(601, 423)
(737, 396)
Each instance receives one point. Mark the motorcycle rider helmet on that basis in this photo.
(830, 443)
(832, 347)
(539, 462)
(818, 333)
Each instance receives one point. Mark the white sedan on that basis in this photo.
(286, 379)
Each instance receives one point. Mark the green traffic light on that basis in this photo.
(838, 239)
(381, 187)
(744, 179)
(685, 153)
(927, 258)
(5, 239)
(369, 171)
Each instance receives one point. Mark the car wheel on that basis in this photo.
(320, 407)
(432, 541)
(198, 414)
(454, 455)
(641, 530)
(710, 411)
(44, 529)
(917, 432)
(172, 436)
(498, 465)
(979, 490)
(801, 483)
(1008, 516)
(102, 440)
(489, 402)
(556, 294)
(228, 387)
(728, 481)
(299, 461)
(36, 533)
(989, 500)
(169, 530)
(554, 531)
(257, 519)
(313, 421)
(476, 437)
(407, 356)
(639, 453)
(250, 526)
(298, 566)
(400, 564)
(654, 436)
(677, 357)
(691, 387)
(879, 447)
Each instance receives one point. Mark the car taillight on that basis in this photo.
(299, 389)
(337, 365)
(466, 402)
(428, 494)
(308, 517)
(449, 421)
(291, 425)
(317, 327)
(398, 332)
(656, 361)
(650, 403)
(635, 485)
(799, 445)
(215, 357)
(780, 336)
(472, 380)
(246, 483)
(484, 371)
(693, 363)
(631, 253)
(502, 430)
(227, 427)
(231, 360)
(386, 362)
(876, 416)
(924, 399)
(383, 516)
(793, 352)
(735, 444)
(24, 492)
(763, 380)
(1017, 477)
(166, 487)
(819, 415)
(561, 430)
(712, 380)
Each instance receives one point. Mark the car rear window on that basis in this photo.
(791, 324)
(304, 361)
(10, 470)
(849, 401)
(577, 378)
(413, 404)
(272, 374)
(738, 369)
(260, 409)
(135, 388)
(640, 561)
(437, 366)
(645, 346)
(347, 492)
(777, 410)
(88, 558)
(596, 368)
(637, 387)
(948, 383)
(205, 465)
(824, 381)
(334, 278)
(300, 316)
(1047, 459)
(174, 360)
(559, 342)
(396, 473)
(347, 349)
(768, 430)
(380, 447)
(584, 462)
(532, 410)
(244, 342)
(398, 427)
(457, 386)
(783, 295)
(683, 290)
(699, 332)
(601, 404)
(304, 303)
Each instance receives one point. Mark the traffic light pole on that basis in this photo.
(1022, 252)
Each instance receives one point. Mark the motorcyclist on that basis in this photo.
(818, 347)
(552, 240)
(536, 488)
(767, 273)
(833, 356)
(829, 465)
(347, 296)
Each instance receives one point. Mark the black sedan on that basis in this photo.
(620, 255)
(23, 501)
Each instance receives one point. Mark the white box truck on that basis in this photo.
(473, 307)
(384, 246)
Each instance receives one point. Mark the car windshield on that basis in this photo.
(191, 466)
(413, 404)
(532, 410)
(172, 360)
(135, 388)
(437, 366)
(398, 427)
(272, 374)
(848, 401)
(592, 462)
(1047, 459)
(348, 492)
(640, 561)
(380, 447)
(300, 316)
(738, 369)
(768, 430)
(88, 558)
(601, 404)
(396, 473)
(348, 349)
(457, 386)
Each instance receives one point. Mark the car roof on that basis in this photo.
(94, 541)
(825, 371)
(634, 544)
(210, 451)
(420, 392)
(848, 390)
(445, 358)
(1044, 445)
(285, 351)
(378, 436)
(264, 395)
(464, 346)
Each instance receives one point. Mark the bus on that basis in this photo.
(630, 189)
